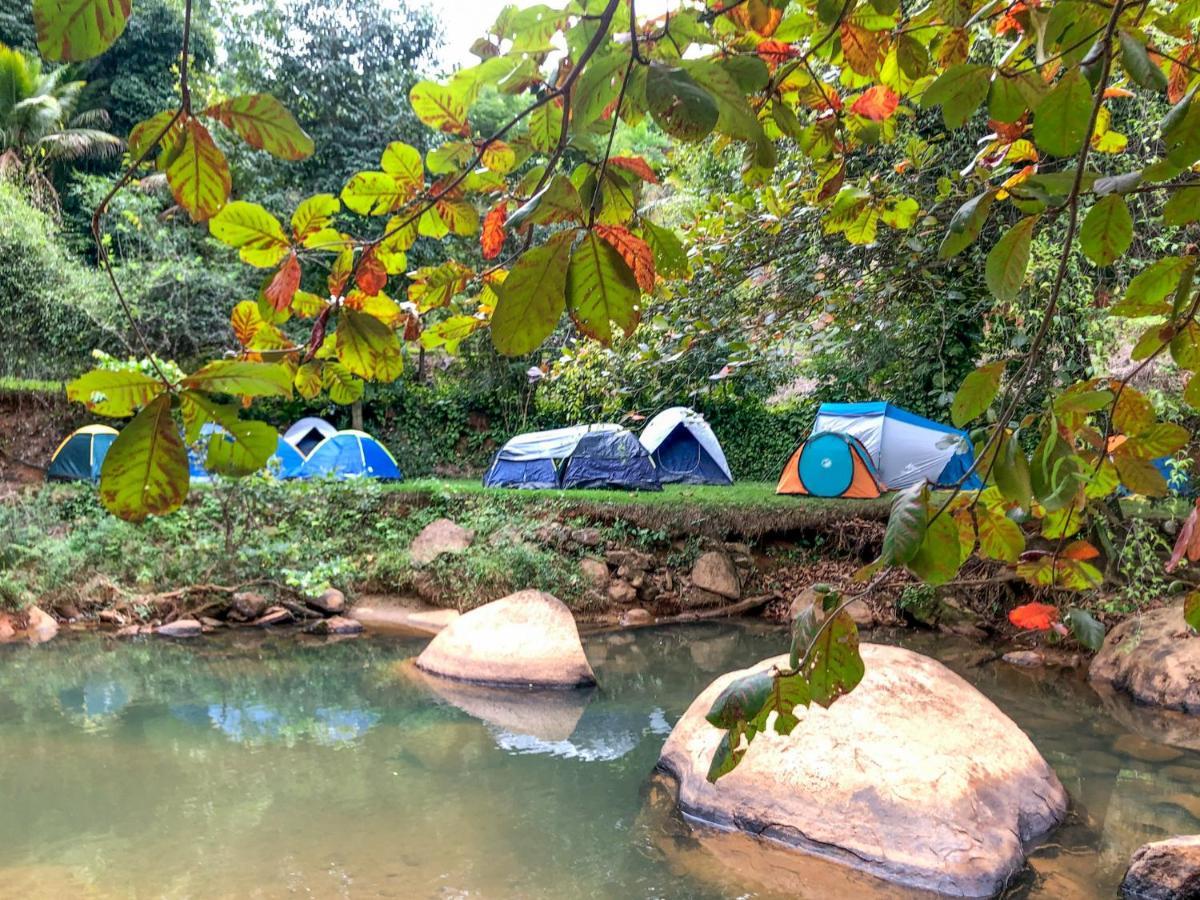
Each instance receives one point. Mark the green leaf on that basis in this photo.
(1011, 471)
(742, 700)
(1107, 230)
(545, 127)
(1138, 64)
(403, 163)
(1009, 259)
(670, 259)
(237, 447)
(256, 234)
(681, 107)
(966, 224)
(906, 525)
(601, 288)
(1191, 610)
(940, 553)
(343, 387)
(734, 115)
(1148, 290)
(557, 202)
(1140, 475)
(999, 536)
(725, 757)
(1061, 122)
(959, 91)
(1181, 132)
(374, 193)
(1010, 98)
(976, 393)
(115, 394)
(199, 175)
(597, 88)
(75, 30)
(834, 666)
(367, 347)
(1160, 439)
(265, 124)
(1183, 207)
(532, 298)
(439, 107)
(1086, 629)
(242, 378)
(146, 470)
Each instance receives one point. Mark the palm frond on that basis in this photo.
(80, 143)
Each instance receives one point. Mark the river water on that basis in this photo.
(270, 765)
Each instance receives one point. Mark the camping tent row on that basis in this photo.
(676, 446)
(312, 448)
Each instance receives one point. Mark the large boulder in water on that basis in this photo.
(1154, 658)
(1165, 870)
(914, 777)
(30, 626)
(528, 639)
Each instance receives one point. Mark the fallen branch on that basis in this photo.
(723, 612)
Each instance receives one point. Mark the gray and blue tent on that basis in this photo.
(80, 455)
(684, 448)
(532, 460)
(610, 459)
(307, 433)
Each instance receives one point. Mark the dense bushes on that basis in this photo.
(55, 309)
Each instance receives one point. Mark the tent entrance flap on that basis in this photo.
(684, 448)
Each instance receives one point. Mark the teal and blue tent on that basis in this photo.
(80, 455)
(350, 454)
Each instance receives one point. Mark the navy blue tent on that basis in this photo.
(532, 460)
(684, 448)
(610, 459)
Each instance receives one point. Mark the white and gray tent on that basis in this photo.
(307, 433)
(684, 448)
(532, 460)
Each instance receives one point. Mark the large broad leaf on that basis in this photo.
(313, 220)
(670, 258)
(374, 193)
(999, 536)
(1147, 291)
(146, 134)
(1009, 259)
(367, 347)
(74, 30)
(976, 393)
(257, 235)
(1011, 471)
(734, 115)
(1061, 122)
(959, 91)
(1137, 62)
(636, 253)
(343, 387)
(265, 124)
(403, 162)
(439, 107)
(545, 127)
(236, 447)
(834, 666)
(966, 224)
(116, 394)
(239, 377)
(681, 107)
(741, 700)
(557, 202)
(940, 554)
(146, 471)
(198, 175)
(1107, 230)
(601, 288)
(906, 525)
(1086, 629)
(598, 87)
(532, 298)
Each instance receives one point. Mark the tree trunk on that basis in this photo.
(356, 421)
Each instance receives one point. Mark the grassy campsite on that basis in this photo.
(672, 449)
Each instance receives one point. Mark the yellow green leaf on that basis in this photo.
(256, 234)
(146, 471)
(116, 394)
(265, 124)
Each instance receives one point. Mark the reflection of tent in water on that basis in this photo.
(80, 455)
(610, 459)
(532, 460)
(307, 433)
(684, 448)
(351, 454)
(257, 723)
(94, 700)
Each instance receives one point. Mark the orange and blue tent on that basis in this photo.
(829, 464)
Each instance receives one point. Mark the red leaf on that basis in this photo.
(1007, 131)
(1184, 541)
(1034, 616)
(775, 52)
(285, 283)
(370, 275)
(877, 103)
(1080, 550)
(491, 238)
(634, 251)
(636, 165)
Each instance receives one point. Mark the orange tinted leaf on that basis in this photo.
(370, 274)
(245, 321)
(1117, 93)
(877, 103)
(285, 283)
(491, 239)
(861, 48)
(775, 52)
(636, 165)
(636, 253)
(1034, 616)
(199, 175)
(1177, 82)
(264, 123)
(1080, 550)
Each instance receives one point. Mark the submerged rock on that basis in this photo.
(914, 777)
(438, 537)
(526, 638)
(393, 617)
(180, 628)
(334, 625)
(1165, 870)
(1154, 658)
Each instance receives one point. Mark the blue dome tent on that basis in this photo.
(532, 460)
(306, 433)
(684, 448)
(350, 454)
(610, 459)
(905, 448)
(80, 455)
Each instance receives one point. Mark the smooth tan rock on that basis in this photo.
(636, 616)
(1154, 658)
(622, 592)
(526, 638)
(594, 571)
(332, 602)
(1165, 870)
(334, 625)
(180, 628)
(914, 777)
(247, 605)
(438, 537)
(30, 626)
(715, 572)
(274, 615)
(400, 619)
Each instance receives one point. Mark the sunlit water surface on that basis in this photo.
(269, 765)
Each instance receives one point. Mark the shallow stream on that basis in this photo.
(271, 765)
